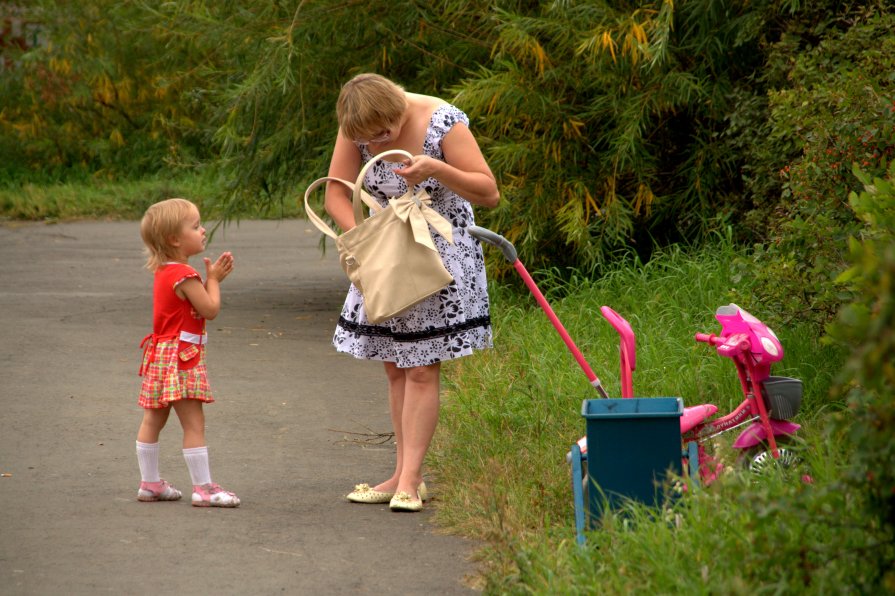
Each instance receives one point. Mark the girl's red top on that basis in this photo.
(172, 314)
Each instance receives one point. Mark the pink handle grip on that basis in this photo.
(709, 338)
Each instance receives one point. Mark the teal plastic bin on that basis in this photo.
(631, 445)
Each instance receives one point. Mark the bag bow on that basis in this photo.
(415, 209)
(385, 258)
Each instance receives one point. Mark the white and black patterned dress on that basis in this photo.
(450, 324)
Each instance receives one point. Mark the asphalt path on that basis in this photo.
(296, 425)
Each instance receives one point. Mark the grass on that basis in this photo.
(100, 198)
(510, 415)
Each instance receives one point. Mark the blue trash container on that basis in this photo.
(631, 445)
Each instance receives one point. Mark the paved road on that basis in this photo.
(74, 304)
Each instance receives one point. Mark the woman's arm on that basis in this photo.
(464, 169)
(345, 164)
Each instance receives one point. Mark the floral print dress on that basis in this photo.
(450, 324)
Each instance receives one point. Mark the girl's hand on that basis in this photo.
(421, 167)
(220, 269)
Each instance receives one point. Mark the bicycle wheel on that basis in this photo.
(760, 462)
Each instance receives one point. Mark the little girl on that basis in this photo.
(173, 369)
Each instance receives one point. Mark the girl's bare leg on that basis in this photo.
(192, 420)
(153, 422)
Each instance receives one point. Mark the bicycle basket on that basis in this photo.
(782, 397)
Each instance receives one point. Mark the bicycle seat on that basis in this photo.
(694, 415)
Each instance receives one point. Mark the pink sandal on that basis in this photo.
(157, 491)
(212, 495)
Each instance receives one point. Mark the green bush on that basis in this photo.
(837, 109)
(867, 327)
(97, 99)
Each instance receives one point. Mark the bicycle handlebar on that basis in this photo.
(709, 338)
(730, 346)
(495, 239)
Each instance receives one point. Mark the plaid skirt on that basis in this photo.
(164, 383)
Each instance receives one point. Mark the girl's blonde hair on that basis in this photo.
(369, 103)
(160, 223)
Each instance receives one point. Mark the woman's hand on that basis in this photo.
(419, 168)
(464, 169)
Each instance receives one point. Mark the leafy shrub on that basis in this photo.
(100, 97)
(602, 122)
(838, 109)
(867, 326)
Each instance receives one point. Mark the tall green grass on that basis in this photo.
(510, 415)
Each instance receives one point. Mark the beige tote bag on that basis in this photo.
(390, 256)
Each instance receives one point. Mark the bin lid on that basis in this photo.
(632, 407)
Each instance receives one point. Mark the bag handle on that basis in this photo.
(318, 222)
(359, 185)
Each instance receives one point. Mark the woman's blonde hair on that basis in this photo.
(369, 103)
(161, 222)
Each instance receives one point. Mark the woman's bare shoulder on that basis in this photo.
(425, 102)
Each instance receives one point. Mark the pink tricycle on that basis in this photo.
(768, 404)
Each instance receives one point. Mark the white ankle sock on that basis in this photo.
(197, 461)
(147, 457)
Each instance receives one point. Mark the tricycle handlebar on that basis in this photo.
(709, 338)
(730, 346)
(495, 239)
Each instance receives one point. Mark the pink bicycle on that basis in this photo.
(769, 402)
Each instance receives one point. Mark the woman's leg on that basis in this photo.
(419, 417)
(396, 382)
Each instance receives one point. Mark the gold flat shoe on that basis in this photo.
(403, 501)
(364, 493)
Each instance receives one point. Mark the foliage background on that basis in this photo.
(612, 125)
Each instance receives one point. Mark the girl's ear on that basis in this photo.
(174, 240)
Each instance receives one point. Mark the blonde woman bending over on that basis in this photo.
(376, 115)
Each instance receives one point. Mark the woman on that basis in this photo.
(376, 115)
